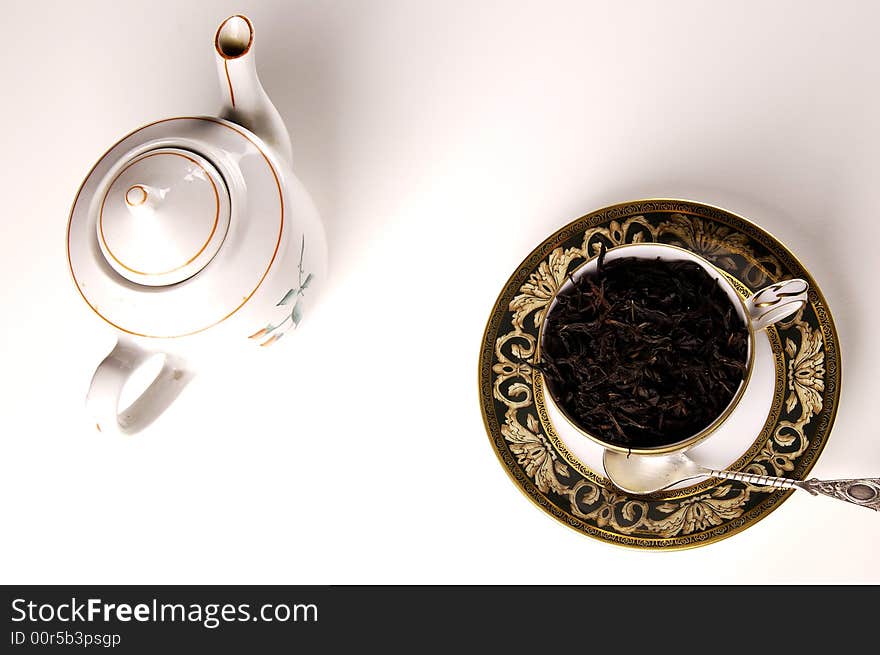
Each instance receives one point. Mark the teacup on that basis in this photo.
(762, 309)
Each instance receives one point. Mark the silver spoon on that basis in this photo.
(644, 474)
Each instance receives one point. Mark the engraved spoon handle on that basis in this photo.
(859, 491)
(761, 480)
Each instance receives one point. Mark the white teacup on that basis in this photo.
(762, 309)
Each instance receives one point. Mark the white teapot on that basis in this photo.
(191, 232)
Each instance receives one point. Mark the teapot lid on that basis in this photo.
(163, 217)
(177, 225)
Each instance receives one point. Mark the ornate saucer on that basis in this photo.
(779, 429)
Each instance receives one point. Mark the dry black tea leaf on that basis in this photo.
(644, 352)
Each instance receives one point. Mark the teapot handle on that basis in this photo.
(102, 400)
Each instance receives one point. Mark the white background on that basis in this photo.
(441, 141)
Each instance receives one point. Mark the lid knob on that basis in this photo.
(138, 195)
(163, 217)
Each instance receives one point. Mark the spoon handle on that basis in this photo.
(859, 491)
(761, 480)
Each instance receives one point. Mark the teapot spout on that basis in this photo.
(245, 100)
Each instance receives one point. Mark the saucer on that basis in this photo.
(779, 427)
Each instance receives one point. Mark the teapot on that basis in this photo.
(192, 233)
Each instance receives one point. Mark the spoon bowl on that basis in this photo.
(641, 474)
